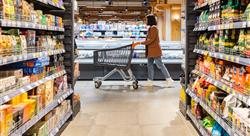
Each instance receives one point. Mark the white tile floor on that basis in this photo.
(121, 111)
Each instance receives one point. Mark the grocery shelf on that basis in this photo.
(28, 56)
(5, 97)
(226, 88)
(232, 58)
(222, 122)
(134, 61)
(59, 98)
(200, 28)
(29, 25)
(201, 6)
(234, 25)
(197, 123)
(55, 130)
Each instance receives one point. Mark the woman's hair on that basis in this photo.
(151, 20)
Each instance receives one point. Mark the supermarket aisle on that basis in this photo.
(119, 111)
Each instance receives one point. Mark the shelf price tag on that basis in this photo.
(227, 58)
(232, 59)
(3, 23)
(244, 24)
(205, 53)
(237, 59)
(229, 90)
(224, 87)
(6, 98)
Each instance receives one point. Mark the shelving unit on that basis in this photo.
(66, 34)
(191, 54)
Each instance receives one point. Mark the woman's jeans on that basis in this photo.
(160, 65)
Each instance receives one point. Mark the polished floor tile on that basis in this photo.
(118, 110)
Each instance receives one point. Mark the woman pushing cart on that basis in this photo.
(120, 58)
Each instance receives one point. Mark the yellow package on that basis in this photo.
(24, 97)
(16, 100)
(183, 95)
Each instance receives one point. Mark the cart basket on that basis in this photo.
(116, 57)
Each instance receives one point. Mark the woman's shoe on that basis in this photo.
(169, 82)
(149, 83)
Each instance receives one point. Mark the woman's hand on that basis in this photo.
(135, 44)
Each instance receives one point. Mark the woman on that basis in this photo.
(154, 52)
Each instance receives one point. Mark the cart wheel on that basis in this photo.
(136, 81)
(135, 85)
(98, 84)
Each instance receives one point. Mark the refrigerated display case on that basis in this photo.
(172, 58)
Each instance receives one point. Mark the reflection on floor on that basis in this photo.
(120, 111)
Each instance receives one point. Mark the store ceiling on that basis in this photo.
(117, 9)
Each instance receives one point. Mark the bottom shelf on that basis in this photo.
(55, 130)
(59, 98)
(197, 124)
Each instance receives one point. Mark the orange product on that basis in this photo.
(247, 83)
(2, 123)
(6, 124)
(32, 107)
(26, 110)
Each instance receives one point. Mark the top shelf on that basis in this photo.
(48, 4)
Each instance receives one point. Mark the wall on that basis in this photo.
(175, 25)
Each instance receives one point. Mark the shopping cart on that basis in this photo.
(117, 58)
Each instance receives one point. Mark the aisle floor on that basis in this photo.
(121, 111)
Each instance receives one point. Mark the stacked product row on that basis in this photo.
(114, 30)
(16, 41)
(232, 42)
(235, 76)
(46, 125)
(210, 125)
(22, 10)
(114, 27)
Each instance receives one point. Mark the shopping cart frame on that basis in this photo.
(117, 68)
